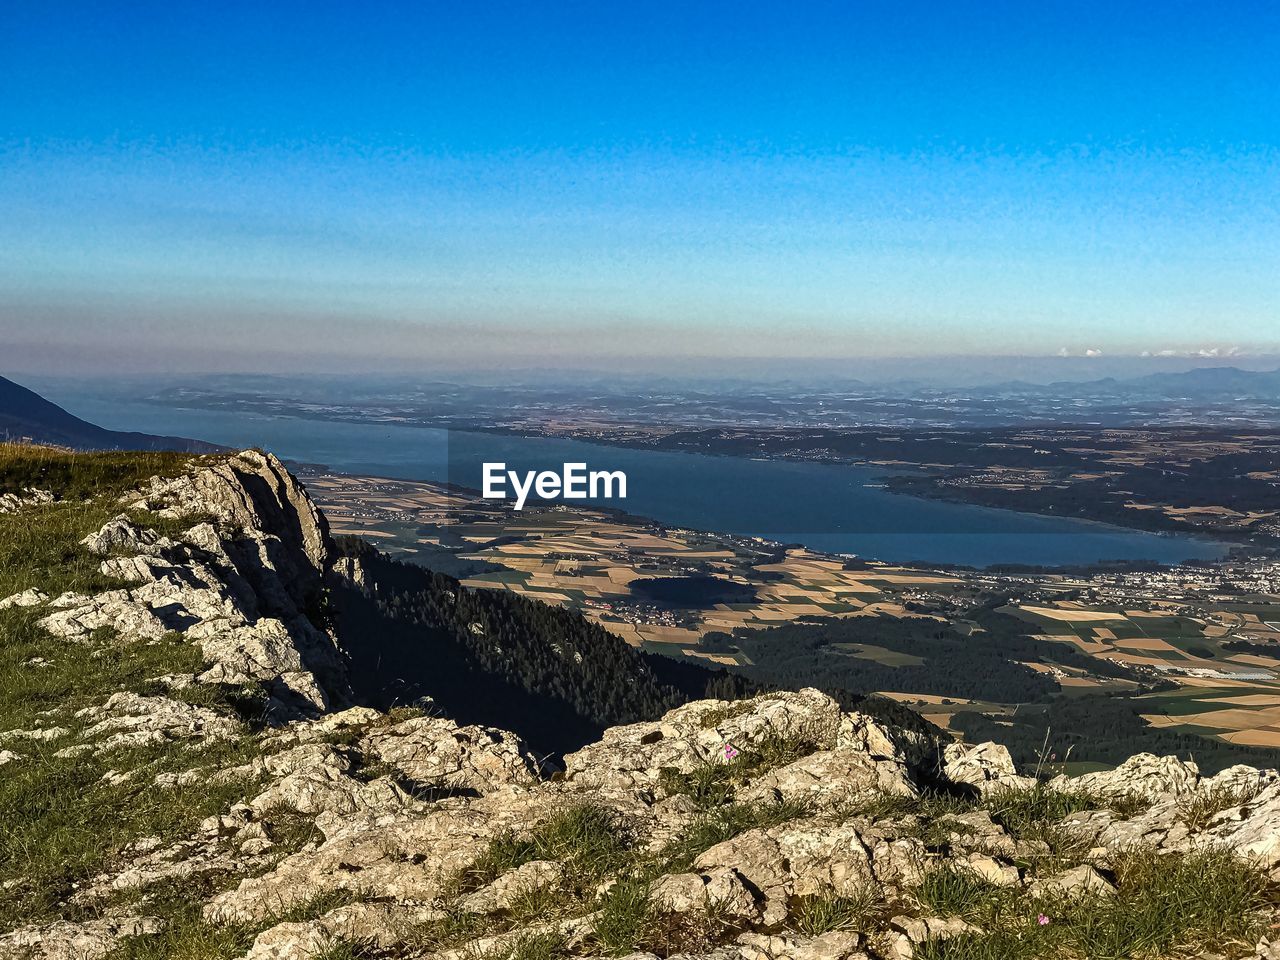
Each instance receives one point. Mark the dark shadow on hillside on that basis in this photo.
(495, 658)
(395, 663)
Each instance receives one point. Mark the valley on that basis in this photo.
(1190, 654)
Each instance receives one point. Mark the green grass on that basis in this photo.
(816, 915)
(932, 812)
(62, 823)
(713, 783)
(186, 935)
(344, 949)
(1198, 808)
(81, 476)
(588, 840)
(627, 920)
(708, 785)
(289, 830)
(952, 890)
(1001, 945)
(39, 546)
(455, 927)
(625, 915)
(713, 718)
(1035, 814)
(530, 946)
(1171, 901)
(537, 902)
(1170, 904)
(1021, 809)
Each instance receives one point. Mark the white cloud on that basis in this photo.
(1202, 353)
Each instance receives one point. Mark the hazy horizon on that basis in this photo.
(954, 373)
(737, 187)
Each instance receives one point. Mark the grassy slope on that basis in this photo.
(62, 824)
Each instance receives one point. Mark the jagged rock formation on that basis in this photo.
(242, 581)
(775, 827)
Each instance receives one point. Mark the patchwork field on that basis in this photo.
(589, 559)
(1213, 653)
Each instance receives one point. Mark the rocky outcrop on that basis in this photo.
(985, 766)
(851, 751)
(403, 809)
(130, 720)
(1237, 811)
(252, 490)
(245, 581)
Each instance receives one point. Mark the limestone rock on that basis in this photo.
(632, 757)
(833, 945)
(526, 878)
(793, 860)
(830, 776)
(1250, 830)
(992, 870)
(130, 720)
(438, 755)
(121, 535)
(987, 766)
(251, 489)
(73, 941)
(27, 598)
(1143, 775)
(30, 497)
(239, 586)
(37, 734)
(916, 930)
(1073, 883)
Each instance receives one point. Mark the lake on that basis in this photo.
(827, 507)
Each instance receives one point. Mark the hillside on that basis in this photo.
(27, 416)
(204, 756)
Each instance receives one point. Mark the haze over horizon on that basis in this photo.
(313, 187)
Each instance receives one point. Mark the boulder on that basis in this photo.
(986, 766)
(1144, 775)
(439, 756)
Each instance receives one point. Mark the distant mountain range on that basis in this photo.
(1202, 383)
(25, 415)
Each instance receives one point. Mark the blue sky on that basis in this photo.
(400, 186)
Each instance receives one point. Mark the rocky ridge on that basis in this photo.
(771, 828)
(238, 582)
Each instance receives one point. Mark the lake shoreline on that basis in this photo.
(834, 512)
